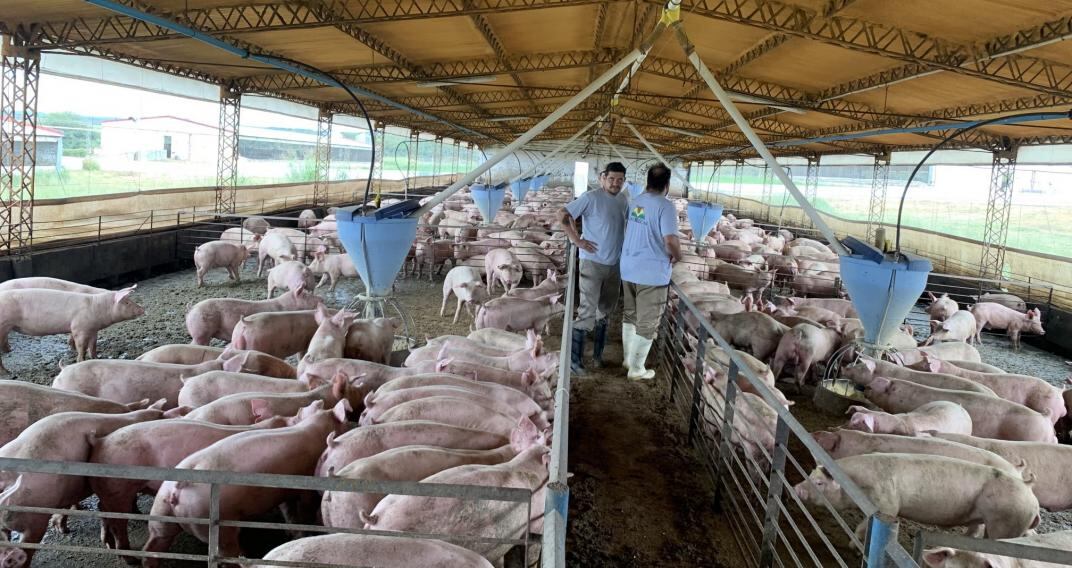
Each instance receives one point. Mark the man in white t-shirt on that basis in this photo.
(602, 213)
(650, 247)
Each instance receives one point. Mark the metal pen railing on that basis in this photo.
(925, 539)
(744, 435)
(218, 479)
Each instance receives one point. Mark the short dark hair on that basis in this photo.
(616, 167)
(658, 177)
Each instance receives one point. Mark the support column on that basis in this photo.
(323, 158)
(765, 195)
(738, 177)
(454, 161)
(811, 184)
(437, 160)
(380, 143)
(469, 159)
(998, 210)
(227, 158)
(20, 70)
(876, 211)
(688, 178)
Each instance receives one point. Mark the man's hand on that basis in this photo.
(586, 245)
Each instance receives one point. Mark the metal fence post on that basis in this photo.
(881, 530)
(679, 338)
(151, 212)
(774, 494)
(214, 526)
(697, 382)
(726, 432)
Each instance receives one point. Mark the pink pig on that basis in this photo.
(501, 266)
(23, 403)
(516, 406)
(291, 275)
(287, 451)
(217, 317)
(332, 266)
(996, 316)
(517, 314)
(221, 254)
(464, 282)
(47, 312)
(340, 549)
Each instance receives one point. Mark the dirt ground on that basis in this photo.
(639, 497)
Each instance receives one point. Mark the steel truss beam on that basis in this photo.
(912, 47)
(811, 183)
(998, 210)
(323, 157)
(227, 157)
(381, 150)
(20, 71)
(876, 210)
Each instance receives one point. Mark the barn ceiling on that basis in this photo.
(491, 69)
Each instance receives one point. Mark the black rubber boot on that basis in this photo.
(577, 352)
(599, 341)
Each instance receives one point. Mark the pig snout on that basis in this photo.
(13, 558)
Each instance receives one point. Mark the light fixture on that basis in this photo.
(459, 80)
(682, 132)
(507, 118)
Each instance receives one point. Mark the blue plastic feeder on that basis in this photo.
(519, 188)
(488, 199)
(702, 218)
(882, 288)
(378, 243)
(540, 181)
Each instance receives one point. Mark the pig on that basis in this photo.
(329, 340)
(701, 287)
(991, 315)
(940, 309)
(126, 381)
(236, 361)
(372, 440)
(256, 224)
(544, 364)
(504, 340)
(432, 253)
(217, 317)
(864, 370)
(372, 374)
(431, 350)
(1048, 462)
(843, 308)
(495, 519)
(456, 411)
(941, 416)
(372, 339)
(66, 436)
(333, 267)
(550, 285)
(813, 244)
(324, 228)
(903, 485)
(160, 443)
(958, 327)
(743, 279)
(245, 409)
(843, 443)
(45, 312)
(276, 246)
(220, 254)
(517, 314)
(342, 509)
(291, 275)
(991, 417)
(1010, 301)
(754, 330)
(307, 218)
(945, 557)
(813, 284)
(821, 316)
(973, 366)
(801, 347)
(242, 237)
(384, 551)
(45, 283)
(466, 284)
(181, 354)
(280, 334)
(202, 389)
(534, 262)
(1032, 392)
(528, 381)
(501, 266)
(23, 403)
(464, 250)
(944, 350)
(516, 406)
(510, 395)
(293, 450)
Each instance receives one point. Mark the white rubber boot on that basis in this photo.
(628, 337)
(641, 346)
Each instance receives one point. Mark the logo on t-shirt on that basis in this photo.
(637, 214)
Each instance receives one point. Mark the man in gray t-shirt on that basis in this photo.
(602, 213)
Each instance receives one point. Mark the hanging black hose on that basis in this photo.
(947, 139)
(360, 105)
(395, 158)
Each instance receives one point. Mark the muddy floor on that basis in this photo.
(639, 496)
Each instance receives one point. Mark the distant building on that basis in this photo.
(157, 138)
(49, 145)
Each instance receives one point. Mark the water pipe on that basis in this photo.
(753, 138)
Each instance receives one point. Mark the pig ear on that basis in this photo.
(863, 421)
(870, 365)
(341, 409)
(530, 377)
(931, 296)
(339, 383)
(321, 314)
(828, 440)
(934, 365)
(158, 405)
(331, 443)
(120, 294)
(554, 299)
(299, 291)
(936, 557)
(177, 412)
(259, 406)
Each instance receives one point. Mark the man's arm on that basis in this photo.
(673, 248)
(569, 226)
